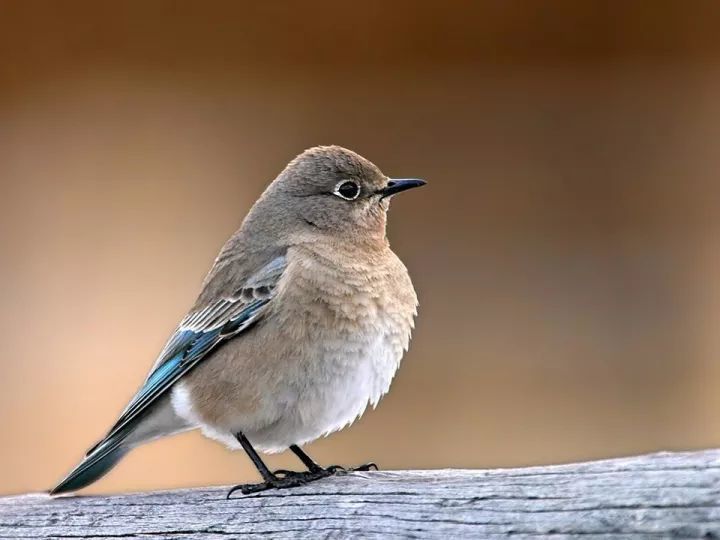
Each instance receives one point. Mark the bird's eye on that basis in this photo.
(348, 190)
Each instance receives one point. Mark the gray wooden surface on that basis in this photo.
(655, 496)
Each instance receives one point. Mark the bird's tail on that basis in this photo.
(98, 461)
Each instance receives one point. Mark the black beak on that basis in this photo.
(396, 185)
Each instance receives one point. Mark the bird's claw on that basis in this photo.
(283, 478)
(284, 473)
(339, 469)
(287, 479)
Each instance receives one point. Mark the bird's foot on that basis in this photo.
(339, 469)
(283, 479)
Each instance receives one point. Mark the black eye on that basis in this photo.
(348, 190)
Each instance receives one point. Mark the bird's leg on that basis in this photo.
(332, 469)
(284, 478)
(307, 460)
(268, 477)
(277, 479)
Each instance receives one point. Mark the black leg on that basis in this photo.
(278, 479)
(307, 460)
(312, 466)
(259, 463)
(287, 479)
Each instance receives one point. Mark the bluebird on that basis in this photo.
(300, 324)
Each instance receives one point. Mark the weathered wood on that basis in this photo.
(655, 496)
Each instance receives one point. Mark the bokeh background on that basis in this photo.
(565, 251)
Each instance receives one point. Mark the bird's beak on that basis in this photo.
(396, 185)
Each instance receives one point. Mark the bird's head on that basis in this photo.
(332, 190)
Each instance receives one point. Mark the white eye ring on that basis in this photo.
(338, 191)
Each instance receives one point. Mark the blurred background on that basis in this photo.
(565, 251)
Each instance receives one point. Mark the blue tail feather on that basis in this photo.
(99, 461)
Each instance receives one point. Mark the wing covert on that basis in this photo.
(198, 333)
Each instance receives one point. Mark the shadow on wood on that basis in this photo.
(667, 495)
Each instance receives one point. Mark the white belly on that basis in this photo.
(321, 397)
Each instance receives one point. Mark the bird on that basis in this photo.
(300, 325)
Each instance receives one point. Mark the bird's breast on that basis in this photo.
(347, 328)
(347, 301)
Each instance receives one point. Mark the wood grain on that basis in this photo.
(666, 495)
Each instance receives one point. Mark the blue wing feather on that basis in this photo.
(185, 349)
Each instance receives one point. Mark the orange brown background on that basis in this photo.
(565, 250)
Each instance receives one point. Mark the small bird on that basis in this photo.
(300, 324)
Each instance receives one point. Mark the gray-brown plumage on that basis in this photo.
(300, 324)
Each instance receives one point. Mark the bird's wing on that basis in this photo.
(198, 333)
